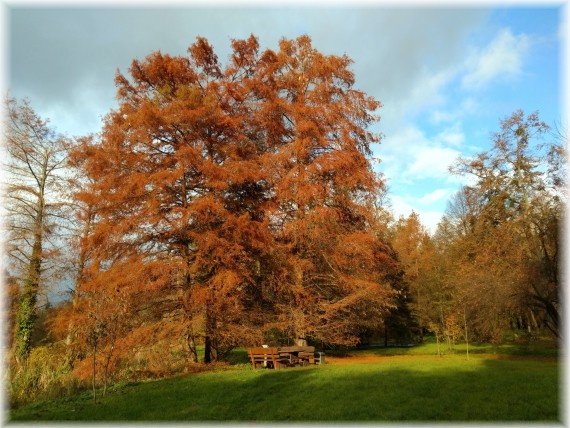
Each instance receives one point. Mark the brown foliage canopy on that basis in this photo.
(241, 196)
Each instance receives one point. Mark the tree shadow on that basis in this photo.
(489, 390)
(437, 390)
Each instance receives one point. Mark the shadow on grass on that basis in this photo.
(438, 390)
(237, 356)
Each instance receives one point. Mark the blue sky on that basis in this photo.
(445, 74)
(510, 60)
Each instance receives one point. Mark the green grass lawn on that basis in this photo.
(530, 349)
(492, 386)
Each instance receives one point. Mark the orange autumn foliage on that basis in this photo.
(233, 199)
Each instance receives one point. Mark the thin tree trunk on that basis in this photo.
(207, 349)
(552, 317)
(533, 319)
(208, 336)
(80, 272)
(466, 338)
(215, 349)
(191, 343)
(442, 328)
(437, 342)
(93, 371)
(107, 363)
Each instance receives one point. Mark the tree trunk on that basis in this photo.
(214, 351)
(27, 315)
(107, 364)
(466, 338)
(208, 336)
(191, 343)
(207, 349)
(533, 320)
(437, 341)
(552, 318)
(93, 371)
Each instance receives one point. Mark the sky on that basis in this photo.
(446, 74)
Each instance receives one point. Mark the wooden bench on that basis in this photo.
(270, 356)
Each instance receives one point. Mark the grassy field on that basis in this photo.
(395, 384)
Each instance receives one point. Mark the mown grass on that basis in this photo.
(421, 387)
(533, 349)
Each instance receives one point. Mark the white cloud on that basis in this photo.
(502, 58)
(439, 116)
(432, 162)
(429, 218)
(409, 155)
(397, 149)
(400, 206)
(452, 136)
(468, 106)
(435, 196)
(429, 89)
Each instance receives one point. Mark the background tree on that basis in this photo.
(10, 308)
(420, 260)
(36, 156)
(513, 211)
(410, 241)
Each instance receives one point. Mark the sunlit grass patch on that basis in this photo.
(411, 388)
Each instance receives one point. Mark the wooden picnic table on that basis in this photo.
(302, 355)
(283, 356)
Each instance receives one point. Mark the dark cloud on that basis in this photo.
(65, 58)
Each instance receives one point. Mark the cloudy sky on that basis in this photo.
(445, 74)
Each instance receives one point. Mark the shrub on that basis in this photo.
(46, 374)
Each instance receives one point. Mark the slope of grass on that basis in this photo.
(412, 388)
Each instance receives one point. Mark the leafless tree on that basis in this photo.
(34, 167)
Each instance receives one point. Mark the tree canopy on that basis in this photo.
(240, 196)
